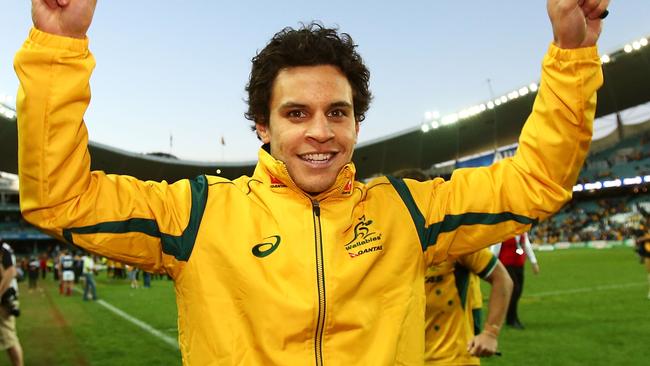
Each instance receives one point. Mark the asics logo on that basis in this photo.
(261, 250)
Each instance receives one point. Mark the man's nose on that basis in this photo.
(320, 129)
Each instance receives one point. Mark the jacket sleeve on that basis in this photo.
(481, 206)
(147, 224)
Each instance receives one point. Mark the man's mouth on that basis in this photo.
(317, 158)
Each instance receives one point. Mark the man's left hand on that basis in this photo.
(576, 23)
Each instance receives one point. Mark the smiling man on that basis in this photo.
(314, 128)
(300, 263)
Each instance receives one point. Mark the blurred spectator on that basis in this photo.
(643, 249)
(43, 265)
(9, 306)
(77, 267)
(512, 253)
(66, 268)
(88, 272)
(133, 276)
(32, 272)
(146, 279)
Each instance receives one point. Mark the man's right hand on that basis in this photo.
(68, 18)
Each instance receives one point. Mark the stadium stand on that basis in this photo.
(22, 236)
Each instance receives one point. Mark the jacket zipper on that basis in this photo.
(320, 279)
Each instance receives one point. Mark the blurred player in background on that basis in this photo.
(451, 337)
(643, 249)
(9, 306)
(89, 270)
(66, 268)
(513, 253)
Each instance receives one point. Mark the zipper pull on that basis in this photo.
(316, 207)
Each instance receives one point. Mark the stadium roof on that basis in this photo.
(627, 84)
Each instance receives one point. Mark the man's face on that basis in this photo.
(312, 127)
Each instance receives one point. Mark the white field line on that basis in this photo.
(585, 289)
(144, 326)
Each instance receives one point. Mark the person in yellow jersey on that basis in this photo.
(454, 303)
(451, 338)
(301, 263)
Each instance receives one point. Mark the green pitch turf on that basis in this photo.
(586, 307)
(61, 330)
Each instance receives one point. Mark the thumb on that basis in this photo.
(471, 345)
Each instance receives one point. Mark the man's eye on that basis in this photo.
(338, 113)
(295, 114)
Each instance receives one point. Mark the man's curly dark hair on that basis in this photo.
(311, 45)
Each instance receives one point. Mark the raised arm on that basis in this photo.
(148, 224)
(481, 206)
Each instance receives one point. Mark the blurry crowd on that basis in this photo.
(605, 219)
(14, 222)
(628, 159)
(84, 267)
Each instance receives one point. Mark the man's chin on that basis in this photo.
(313, 181)
(315, 186)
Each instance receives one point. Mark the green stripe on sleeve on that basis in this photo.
(416, 215)
(179, 246)
(453, 222)
(429, 234)
(145, 226)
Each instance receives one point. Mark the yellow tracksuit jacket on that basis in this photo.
(265, 274)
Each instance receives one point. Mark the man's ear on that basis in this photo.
(356, 128)
(263, 132)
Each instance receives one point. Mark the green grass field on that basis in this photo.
(587, 307)
(62, 330)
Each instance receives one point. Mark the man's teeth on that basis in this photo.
(317, 157)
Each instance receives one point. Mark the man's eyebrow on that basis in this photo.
(287, 105)
(341, 104)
